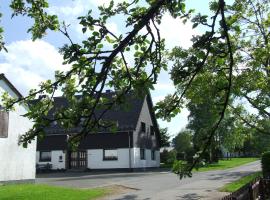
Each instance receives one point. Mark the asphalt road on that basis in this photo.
(155, 185)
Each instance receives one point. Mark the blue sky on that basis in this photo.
(28, 63)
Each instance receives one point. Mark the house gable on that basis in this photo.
(144, 139)
(7, 86)
(17, 163)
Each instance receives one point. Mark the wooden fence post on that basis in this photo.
(250, 192)
(261, 189)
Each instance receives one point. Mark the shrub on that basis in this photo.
(168, 157)
(266, 164)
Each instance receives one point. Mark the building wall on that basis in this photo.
(145, 140)
(16, 163)
(95, 159)
(56, 162)
(148, 162)
(141, 139)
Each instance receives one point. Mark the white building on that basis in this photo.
(134, 146)
(17, 164)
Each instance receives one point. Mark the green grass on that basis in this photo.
(232, 187)
(226, 164)
(46, 192)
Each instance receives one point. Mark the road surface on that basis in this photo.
(155, 185)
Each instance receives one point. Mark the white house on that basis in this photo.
(17, 164)
(134, 146)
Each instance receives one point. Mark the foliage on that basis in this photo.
(168, 157)
(226, 64)
(236, 185)
(97, 62)
(45, 192)
(266, 164)
(183, 141)
(183, 144)
(164, 137)
(179, 166)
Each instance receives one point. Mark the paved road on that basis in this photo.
(156, 185)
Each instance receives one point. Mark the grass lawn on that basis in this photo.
(225, 164)
(231, 187)
(46, 192)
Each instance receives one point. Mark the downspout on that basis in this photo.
(129, 150)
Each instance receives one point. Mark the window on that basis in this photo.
(110, 154)
(45, 156)
(153, 155)
(142, 154)
(143, 129)
(152, 132)
(3, 123)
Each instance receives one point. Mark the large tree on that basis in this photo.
(225, 67)
(232, 53)
(182, 141)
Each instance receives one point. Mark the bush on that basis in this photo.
(168, 157)
(266, 164)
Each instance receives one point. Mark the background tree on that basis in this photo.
(164, 137)
(183, 145)
(220, 64)
(182, 141)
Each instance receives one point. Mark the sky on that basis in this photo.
(28, 63)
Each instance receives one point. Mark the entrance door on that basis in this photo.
(77, 160)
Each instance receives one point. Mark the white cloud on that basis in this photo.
(106, 2)
(175, 32)
(177, 123)
(28, 63)
(113, 28)
(70, 11)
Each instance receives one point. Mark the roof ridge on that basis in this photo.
(4, 78)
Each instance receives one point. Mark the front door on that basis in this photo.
(77, 160)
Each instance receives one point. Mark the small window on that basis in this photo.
(110, 154)
(45, 156)
(142, 154)
(153, 155)
(143, 129)
(4, 118)
(152, 130)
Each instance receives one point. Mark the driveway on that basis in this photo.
(155, 185)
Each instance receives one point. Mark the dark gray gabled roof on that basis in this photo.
(125, 118)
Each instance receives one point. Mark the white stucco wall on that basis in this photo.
(95, 159)
(55, 159)
(148, 162)
(16, 163)
(136, 161)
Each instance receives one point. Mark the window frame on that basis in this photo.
(152, 130)
(5, 129)
(45, 160)
(143, 127)
(153, 155)
(142, 156)
(109, 159)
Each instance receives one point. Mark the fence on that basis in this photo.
(259, 189)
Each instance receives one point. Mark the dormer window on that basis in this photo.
(143, 128)
(4, 118)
